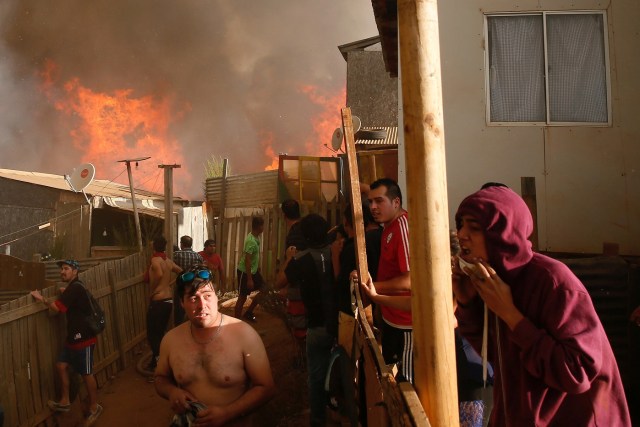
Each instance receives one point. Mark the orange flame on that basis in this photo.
(327, 121)
(115, 126)
(266, 141)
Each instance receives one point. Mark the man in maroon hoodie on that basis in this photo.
(553, 362)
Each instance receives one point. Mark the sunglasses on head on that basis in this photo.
(192, 274)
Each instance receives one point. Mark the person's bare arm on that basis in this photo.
(155, 272)
(165, 383)
(262, 386)
(402, 302)
(176, 268)
(401, 283)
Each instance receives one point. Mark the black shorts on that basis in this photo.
(258, 282)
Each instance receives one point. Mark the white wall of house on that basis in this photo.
(587, 178)
(192, 221)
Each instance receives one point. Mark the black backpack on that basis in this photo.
(95, 320)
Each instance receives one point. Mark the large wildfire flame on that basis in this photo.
(107, 127)
(323, 126)
(326, 122)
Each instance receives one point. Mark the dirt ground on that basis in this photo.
(129, 400)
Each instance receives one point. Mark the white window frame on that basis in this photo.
(548, 121)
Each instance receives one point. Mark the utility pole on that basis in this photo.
(133, 197)
(168, 206)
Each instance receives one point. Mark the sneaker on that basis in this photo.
(56, 407)
(93, 416)
(250, 317)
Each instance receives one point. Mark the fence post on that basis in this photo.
(116, 319)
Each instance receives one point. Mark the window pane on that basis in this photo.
(309, 170)
(516, 68)
(292, 190)
(329, 191)
(311, 191)
(577, 74)
(290, 169)
(329, 170)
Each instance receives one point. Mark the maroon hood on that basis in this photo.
(507, 224)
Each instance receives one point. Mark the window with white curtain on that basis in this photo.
(548, 67)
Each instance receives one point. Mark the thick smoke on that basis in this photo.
(233, 69)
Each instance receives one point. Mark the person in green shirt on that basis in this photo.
(249, 278)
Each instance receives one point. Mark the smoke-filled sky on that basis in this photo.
(179, 81)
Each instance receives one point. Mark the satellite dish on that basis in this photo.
(336, 139)
(81, 177)
(356, 123)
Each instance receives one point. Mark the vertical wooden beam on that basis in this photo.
(136, 218)
(168, 206)
(432, 308)
(223, 203)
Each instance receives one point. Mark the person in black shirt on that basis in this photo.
(312, 270)
(80, 343)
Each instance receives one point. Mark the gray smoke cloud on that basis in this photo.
(232, 70)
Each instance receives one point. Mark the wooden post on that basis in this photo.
(223, 202)
(168, 206)
(117, 327)
(133, 198)
(432, 307)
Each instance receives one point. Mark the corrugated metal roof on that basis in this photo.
(105, 192)
(391, 139)
(98, 187)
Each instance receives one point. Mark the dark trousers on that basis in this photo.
(397, 347)
(157, 320)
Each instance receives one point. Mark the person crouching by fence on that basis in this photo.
(80, 343)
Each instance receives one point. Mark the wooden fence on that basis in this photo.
(31, 337)
(236, 228)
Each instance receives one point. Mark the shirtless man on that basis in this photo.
(161, 302)
(215, 360)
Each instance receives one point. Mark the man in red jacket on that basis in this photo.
(553, 362)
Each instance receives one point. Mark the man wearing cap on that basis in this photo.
(80, 343)
(213, 260)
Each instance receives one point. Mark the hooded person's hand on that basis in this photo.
(495, 293)
(462, 287)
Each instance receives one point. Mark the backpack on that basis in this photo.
(96, 321)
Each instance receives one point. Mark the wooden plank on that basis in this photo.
(23, 393)
(117, 327)
(7, 382)
(32, 360)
